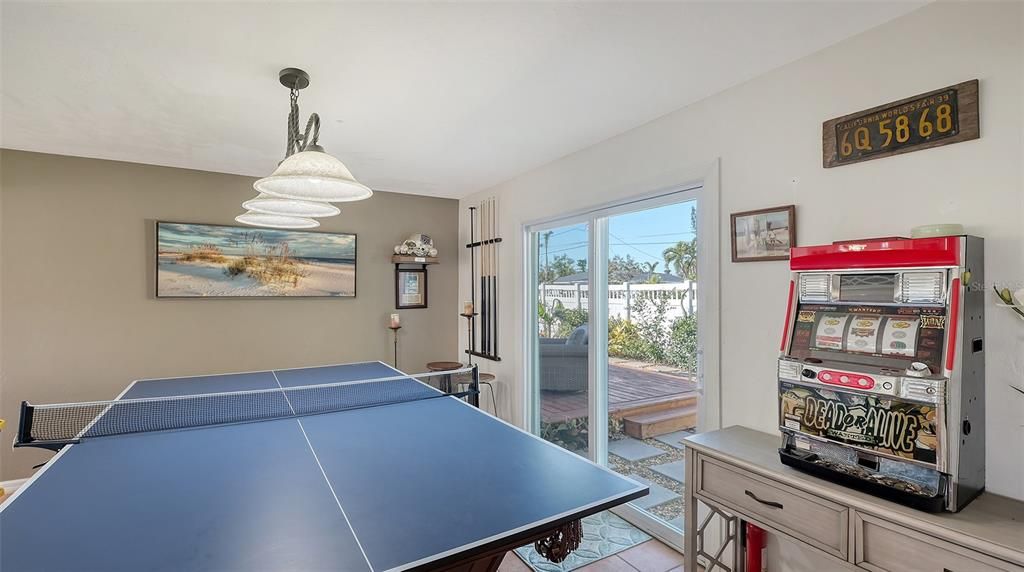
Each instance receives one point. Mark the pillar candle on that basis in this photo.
(467, 307)
(396, 321)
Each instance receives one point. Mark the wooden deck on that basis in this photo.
(628, 388)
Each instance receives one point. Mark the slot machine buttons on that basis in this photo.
(809, 373)
(846, 379)
(887, 385)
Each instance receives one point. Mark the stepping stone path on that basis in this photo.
(632, 449)
(674, 439)
(675, 470)
(658, 494)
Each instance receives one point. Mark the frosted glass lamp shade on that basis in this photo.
(313, 176)
(276, 221)
(269, 204)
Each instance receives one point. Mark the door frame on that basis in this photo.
(701, 180)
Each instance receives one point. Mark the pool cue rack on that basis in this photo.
(483, 288)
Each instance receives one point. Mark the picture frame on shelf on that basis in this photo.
(763, 234)
(410, 288)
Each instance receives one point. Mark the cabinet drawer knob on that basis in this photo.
(764, 502)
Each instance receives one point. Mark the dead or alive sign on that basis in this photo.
(940, 117)
(883, 424)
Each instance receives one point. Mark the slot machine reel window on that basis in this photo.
(872, 338)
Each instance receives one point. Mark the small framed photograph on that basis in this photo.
(410, 288)
(765, 234)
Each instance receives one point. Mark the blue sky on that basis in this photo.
(235, 240)
(642, 235)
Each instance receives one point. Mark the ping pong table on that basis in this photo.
(429, 483)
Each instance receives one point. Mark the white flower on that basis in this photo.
(1018, 298)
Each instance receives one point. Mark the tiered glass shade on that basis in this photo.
(269, 204)
(313, 176)
(276, 220)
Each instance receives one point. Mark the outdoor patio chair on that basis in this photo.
(563, 362)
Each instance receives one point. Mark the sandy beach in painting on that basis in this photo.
(178, 277)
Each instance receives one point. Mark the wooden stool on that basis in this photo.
(441, 366)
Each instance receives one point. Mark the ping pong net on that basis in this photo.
(53, 426)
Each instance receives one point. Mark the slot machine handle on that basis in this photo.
(764, 502)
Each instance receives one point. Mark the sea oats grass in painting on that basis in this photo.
(203, 260)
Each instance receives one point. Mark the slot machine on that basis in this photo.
(881, 377)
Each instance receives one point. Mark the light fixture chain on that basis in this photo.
(314, 125)
(293, 125)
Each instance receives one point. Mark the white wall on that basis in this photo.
(767, 133)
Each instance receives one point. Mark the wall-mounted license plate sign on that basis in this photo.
(940, 117)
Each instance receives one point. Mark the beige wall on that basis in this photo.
(767, 133)
(79, 319)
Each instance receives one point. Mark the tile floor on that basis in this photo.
(651, 556)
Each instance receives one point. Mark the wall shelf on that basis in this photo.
(405, 259)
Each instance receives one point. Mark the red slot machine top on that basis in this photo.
(894, 252)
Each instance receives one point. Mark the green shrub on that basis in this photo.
(573, 434)
(649, 336)
(569, 320)
(682, 352)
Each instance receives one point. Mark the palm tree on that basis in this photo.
(682, 259)
(651, 269)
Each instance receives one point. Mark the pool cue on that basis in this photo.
(492, 278)
(495, 294)
(491, 301)
(472, 278)
(484, 302)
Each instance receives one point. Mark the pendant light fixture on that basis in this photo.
(307, 180)
(269, 204)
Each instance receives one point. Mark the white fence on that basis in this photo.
(682, 297)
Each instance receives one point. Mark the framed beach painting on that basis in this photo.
(214, 261)
(765, 234)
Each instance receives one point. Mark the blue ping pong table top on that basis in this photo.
(392, 487)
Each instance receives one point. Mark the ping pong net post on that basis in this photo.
(53, 426)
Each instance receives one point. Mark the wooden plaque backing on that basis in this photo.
(967, 121)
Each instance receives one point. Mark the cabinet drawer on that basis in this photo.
(812, 519)
(883, 546)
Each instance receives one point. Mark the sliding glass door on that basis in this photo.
(652, 384)
(615, 341)
(562, 335)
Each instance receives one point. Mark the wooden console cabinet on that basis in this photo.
(734, 475)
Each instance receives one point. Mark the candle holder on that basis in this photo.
(469, 331)
(394, 330)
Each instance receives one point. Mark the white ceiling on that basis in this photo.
(429, 98)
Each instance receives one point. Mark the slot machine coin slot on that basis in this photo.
(966, 430)
(812, 360)
(977, 345)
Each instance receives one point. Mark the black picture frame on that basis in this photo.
(405, 298)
